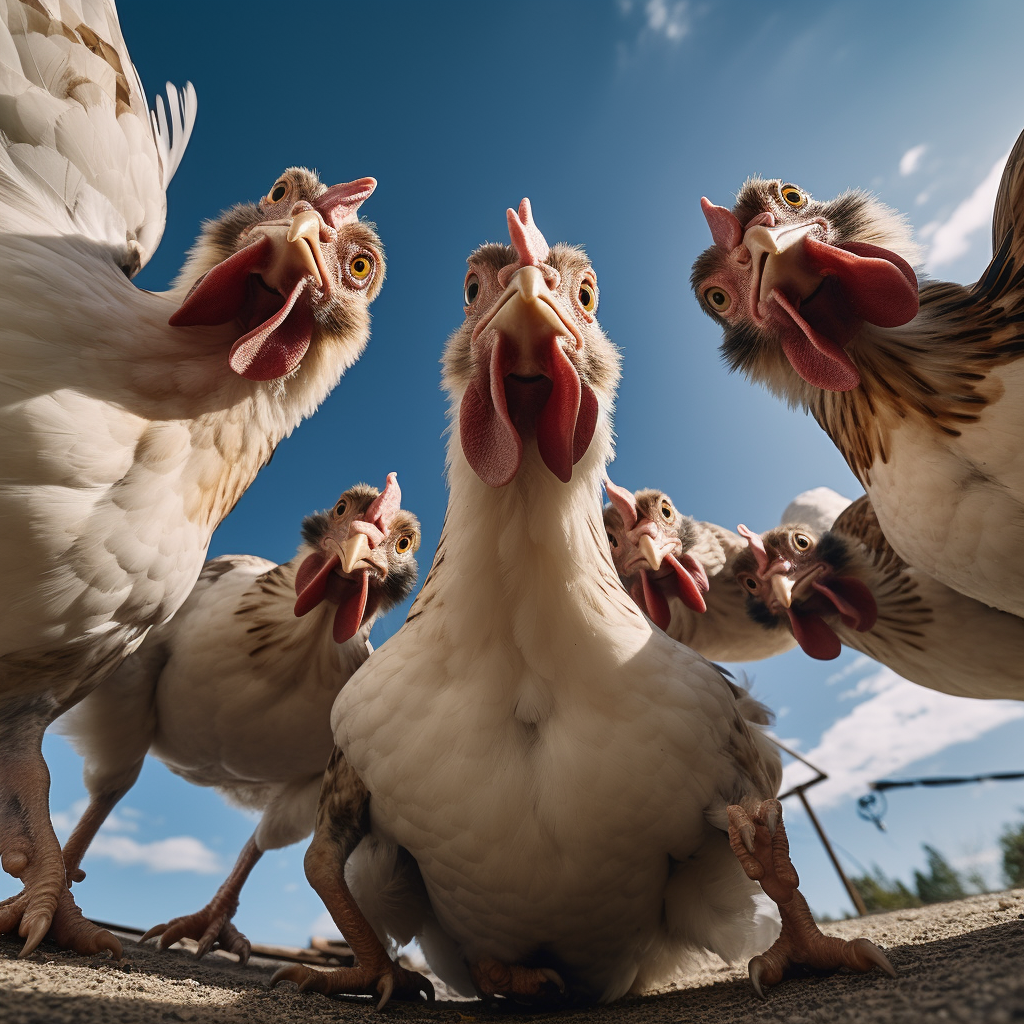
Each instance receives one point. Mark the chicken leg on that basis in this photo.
(213, 924)
(762, 847)
(492, 977)
(28, 844)
(342, 820)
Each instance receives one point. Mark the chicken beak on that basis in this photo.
(527, 313)
(651, 554)
(783, 257)
(353, 550)
(782, 588)
(296, 252)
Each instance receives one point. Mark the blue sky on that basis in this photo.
(614, 118)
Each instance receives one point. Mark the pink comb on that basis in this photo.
(527, 240)
(385, 505)
(624, 501)
(726, 230)
(340, 203)
(757, 546)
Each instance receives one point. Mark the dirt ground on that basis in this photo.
(957, 962)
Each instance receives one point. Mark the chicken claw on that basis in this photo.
(395, 981)
(66, 927)
(762, 848)
(207, 927)
(493, 978)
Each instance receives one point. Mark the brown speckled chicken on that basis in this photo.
(130, 421)
(235, 692)
(921, 391)
(847, 586)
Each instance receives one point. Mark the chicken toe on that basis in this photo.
(385, 979)
(760, 844)
(494, 978)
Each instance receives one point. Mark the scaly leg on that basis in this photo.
(213, 924)
(88, 825)
(761, 845)
(342, 819)
(29, 847)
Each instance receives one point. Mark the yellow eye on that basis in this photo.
(588, 296)
(404, 543)
(718, 299)
(801, 541)
(793, 196)
(472, 289)
(339, 509)
(360, 267)
(278, 192)
(666, 510)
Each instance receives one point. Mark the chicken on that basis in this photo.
(128, 429)
(234, 692)
(529, 778)
(679, 572)
(848, 586)
(922, 390)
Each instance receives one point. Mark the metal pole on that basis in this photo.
(851, 889)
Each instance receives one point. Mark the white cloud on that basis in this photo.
(911, 160)
(324, 925)
(178, 853)
(950, 239)
(898, 724)
(669, 19)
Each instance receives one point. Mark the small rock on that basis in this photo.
(1005, 904)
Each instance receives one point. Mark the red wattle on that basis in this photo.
(852, 599)
(349, 616)
(820, 361)
(277, 346)
(654, 603)
(814, 635)
(311, 580)
(689, 587)
(491, 444)
(218, 296)
(556, 424)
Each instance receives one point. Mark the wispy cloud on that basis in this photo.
(911, 160)
(177, 853)
(950, 238)
(899, 723)
(665, 19)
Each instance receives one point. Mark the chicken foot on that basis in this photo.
(213, 924)
(762, 848)
(28, 845)
(492, 978)
(342, 819)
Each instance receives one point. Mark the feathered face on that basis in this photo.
(363, 557)
(788, 571)
(792, 280)
(297, 268)
(650, 542)
(531, 361)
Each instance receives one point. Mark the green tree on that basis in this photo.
(882, 893)
(942, 881)
(1012, 842)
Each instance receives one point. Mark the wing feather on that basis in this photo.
(80, 151)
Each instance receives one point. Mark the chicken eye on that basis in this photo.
(404, 543)
(278, 192)
(749, 582)
(360, 266)
(588, 297)
(801, 541)
(718, 299)
(472, 289)
(793, 196)
(611, 540)
(339, 509)
(666, 510)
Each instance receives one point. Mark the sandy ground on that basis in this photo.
(957, 962)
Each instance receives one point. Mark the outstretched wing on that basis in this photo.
(80, 152)
(1009, 208)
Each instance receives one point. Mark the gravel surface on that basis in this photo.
(957, 962)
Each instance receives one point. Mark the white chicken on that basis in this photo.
(922, 390)
(847, 586)
(125, 439)
(679, 572)
(535, 782)
(234, 692)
